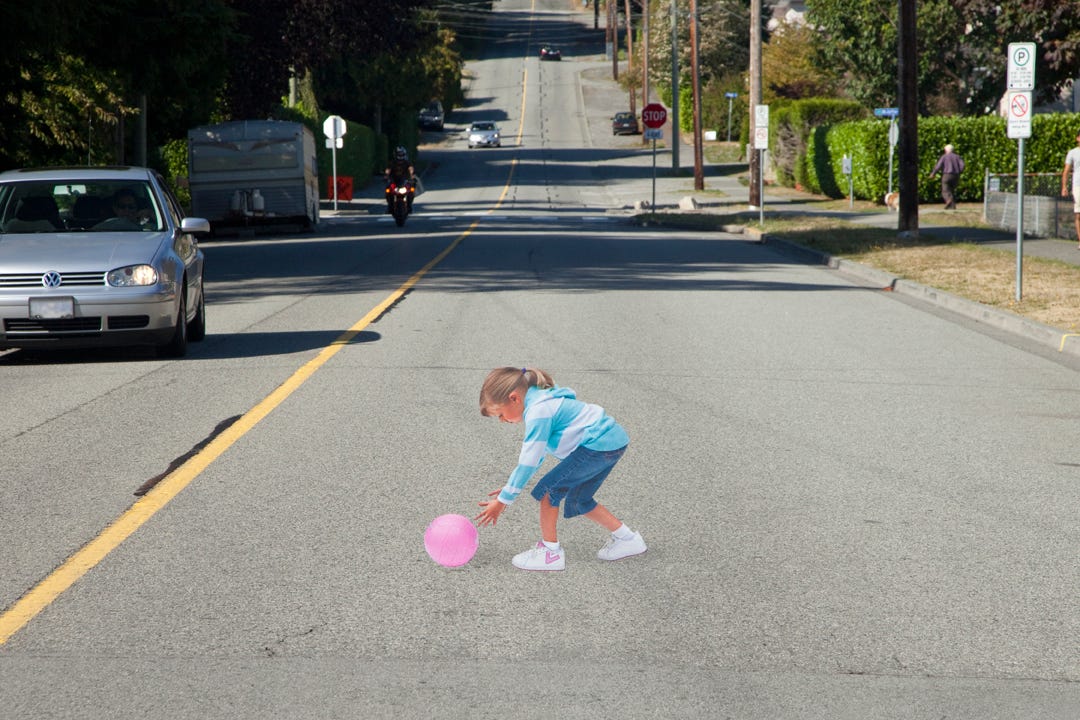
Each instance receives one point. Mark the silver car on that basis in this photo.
(484, 133)
(93, 257)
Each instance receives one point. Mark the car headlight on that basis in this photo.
(132, 276)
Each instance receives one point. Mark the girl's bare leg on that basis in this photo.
(549, 517)
(603, 516)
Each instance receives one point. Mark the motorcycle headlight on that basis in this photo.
(132, 276)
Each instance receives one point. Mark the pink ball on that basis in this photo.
(451, 540)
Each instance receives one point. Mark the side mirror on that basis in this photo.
(195, 226)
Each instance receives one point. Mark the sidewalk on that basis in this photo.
(724, 193)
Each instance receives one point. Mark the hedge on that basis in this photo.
(791, 122)
(982, 142)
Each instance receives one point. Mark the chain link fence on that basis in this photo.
(1046, 212)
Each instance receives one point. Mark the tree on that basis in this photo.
(724, 56)
(962, 48)
(723, 29)
(787, 66)
(280, 37)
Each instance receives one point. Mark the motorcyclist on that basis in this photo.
(400, 171)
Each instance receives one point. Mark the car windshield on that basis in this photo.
(85, 205)
(623, 116)
(483, 126)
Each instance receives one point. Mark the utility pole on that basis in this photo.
(908, 100)
(699, 170)
(630, 58)
(644, 56)
(613, 38)
(754, 100)
(675, 86)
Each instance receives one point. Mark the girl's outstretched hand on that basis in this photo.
(491, 512)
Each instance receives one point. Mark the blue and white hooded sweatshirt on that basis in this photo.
(557, 422)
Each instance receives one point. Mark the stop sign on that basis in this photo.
(654, 115)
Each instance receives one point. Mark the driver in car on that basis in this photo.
(126, 207)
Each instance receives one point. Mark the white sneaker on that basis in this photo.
(617, 549)
(541, 557)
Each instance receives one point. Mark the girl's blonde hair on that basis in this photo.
(500, 382)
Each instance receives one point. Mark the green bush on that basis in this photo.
(982, 142)
(790, 123)
(360, 156)
(174, 157)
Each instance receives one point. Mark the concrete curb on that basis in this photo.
(1067, 343)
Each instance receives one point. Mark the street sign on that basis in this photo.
(334, 127)
(1019, 117)
(886, 112)
(654, 115)
(731, 95)
(761, 127)
(1021, 66)
(894, 134)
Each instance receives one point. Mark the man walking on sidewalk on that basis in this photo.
(1072, 164)
(950, 165)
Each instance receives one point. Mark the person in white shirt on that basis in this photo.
(1072, 164)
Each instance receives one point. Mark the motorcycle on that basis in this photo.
(400, 197)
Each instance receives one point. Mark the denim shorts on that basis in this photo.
(576, 479)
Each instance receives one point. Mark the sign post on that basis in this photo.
(848, 170)
(894, 134)
(334, 128)
(654, 115)
(761, 144)
(730, 97)
(1021, 81)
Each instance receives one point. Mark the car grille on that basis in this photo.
(128, 322)
(34, 280)
(39, 326)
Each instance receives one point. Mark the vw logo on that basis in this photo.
(51, 279)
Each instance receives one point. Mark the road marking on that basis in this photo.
(59, 580)
(39, 597)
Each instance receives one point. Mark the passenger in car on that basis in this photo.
(87, 211)
(34, 214)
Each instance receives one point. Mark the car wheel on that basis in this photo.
(177, 345)
(196, 329)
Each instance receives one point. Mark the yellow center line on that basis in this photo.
(42, 595)
(39, 597)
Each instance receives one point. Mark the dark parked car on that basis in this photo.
(624, 123)
(547, 52)
(431, 117)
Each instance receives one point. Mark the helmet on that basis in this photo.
(400, 153)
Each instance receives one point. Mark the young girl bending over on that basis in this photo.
(586, 440)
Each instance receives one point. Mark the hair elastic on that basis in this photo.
(524, 370)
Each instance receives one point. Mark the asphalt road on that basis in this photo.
(856, 506)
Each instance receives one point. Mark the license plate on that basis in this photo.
(52, 308)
